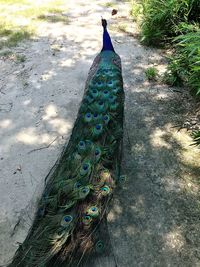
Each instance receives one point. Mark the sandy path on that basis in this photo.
(154, 219)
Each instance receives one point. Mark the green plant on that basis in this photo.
(161, 17)
(185, 65)
(151, 73)
(108, 4)
(20, 58)
(136, 10)
(196, 137)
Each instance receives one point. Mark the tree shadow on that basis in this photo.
(154, 219)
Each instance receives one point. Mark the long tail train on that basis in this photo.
(67, 226)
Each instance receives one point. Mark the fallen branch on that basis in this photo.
(44, 147)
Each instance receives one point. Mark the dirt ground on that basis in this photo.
(154, 219)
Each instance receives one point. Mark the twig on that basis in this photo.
(44, 147)
(14, 229)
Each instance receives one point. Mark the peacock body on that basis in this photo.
(67, 225)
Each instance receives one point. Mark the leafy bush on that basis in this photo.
(185, 66)
(161, 17)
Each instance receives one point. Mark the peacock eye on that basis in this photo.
(97, 130)
(77, 185)
(81, 147)
(88, 115)
(95, 115)
(87, 217)
(105, 190)
(97, 152)
(100, 103)
(85, 167)
(93, 211)
(105, 118)
(105, 92)
(85, 190)
(66, 220)
(99, 246)
(122, 178)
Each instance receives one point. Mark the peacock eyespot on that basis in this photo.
(105, 190)
(81, 143)
(99, 246)
(101, 103)
(85, 167)
(66, 220)
(105, 92)
(93, 212)
(87, 217)
(95, 115)
(88, 115)
(85, 190)
(98, 126)
(122, 178)
(97, 152)
(77, 185)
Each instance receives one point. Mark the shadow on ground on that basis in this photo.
(155, 218)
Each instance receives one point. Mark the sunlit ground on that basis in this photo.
(19, 19)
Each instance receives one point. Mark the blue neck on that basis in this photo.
(107, 43)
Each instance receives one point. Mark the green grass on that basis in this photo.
(196, 137)
(53, 18)
(136, 10)
(151, 74)
(8, 54)
(108, 4)
(20, 58)
(19, 19)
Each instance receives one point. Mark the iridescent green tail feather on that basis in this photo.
(78, 189)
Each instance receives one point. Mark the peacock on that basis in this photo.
(72, 210)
